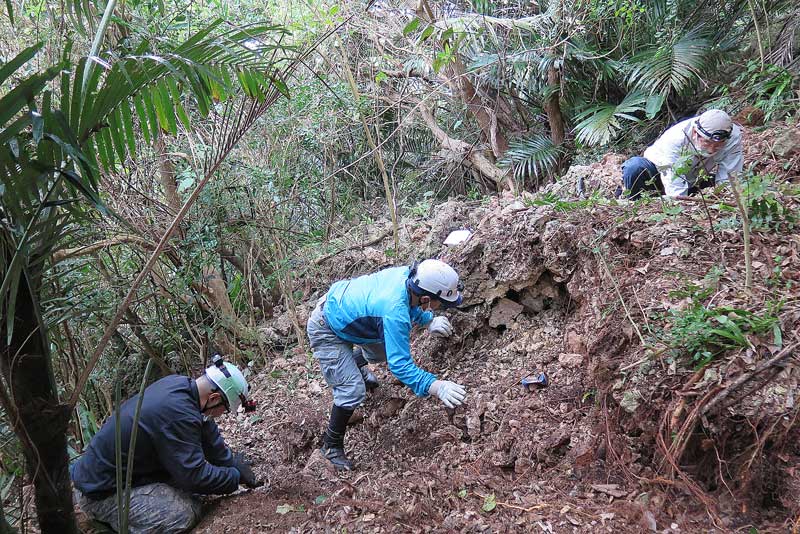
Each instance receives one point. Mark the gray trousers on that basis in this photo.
(155, 509)
(335, 356)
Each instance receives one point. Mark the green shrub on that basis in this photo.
(704, 333)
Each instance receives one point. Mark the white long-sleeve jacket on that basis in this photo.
(680, 164)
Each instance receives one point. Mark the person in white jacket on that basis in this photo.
(693, 154)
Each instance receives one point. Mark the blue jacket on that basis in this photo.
(376, 308)
(174, 444)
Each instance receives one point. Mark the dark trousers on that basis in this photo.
(640, 174)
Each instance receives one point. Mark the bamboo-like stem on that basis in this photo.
(96, 43)
(132, 448)
(748, 256)
(758, 34)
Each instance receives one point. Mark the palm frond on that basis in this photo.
(209, 67)
(599, 124)
(534, 156)
(673, 66)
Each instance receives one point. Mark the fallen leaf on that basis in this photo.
(284, 509)
(610, 489)
(489, 503)
(606, 517)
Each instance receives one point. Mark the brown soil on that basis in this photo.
(571, 291)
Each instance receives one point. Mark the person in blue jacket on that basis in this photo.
(179, 453)
(376, 312)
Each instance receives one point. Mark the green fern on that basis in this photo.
(534, 156)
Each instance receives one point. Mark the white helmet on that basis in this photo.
(230, 381)
(436, 279)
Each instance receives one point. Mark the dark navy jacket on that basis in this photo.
(174, 444)
(376, 308)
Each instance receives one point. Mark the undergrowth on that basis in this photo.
(703, 333)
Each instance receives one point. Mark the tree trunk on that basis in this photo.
(41, 420)
(553, 106)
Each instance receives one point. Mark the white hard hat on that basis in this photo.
(230, 381)
(436, 279)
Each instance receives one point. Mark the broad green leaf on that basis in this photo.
(411, 26)
(20, 59)
(777, 336)
(127, 123)
(138, 104)
(13, 101)
(489, 503)
(109, 144)
(152, 118)
(169, 110)
(654, 103)
(117, 133)
(280, 85)
(427, 32)
(10, 8)
(101, 151)
(176, 101)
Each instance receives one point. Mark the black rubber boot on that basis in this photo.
(370, 380)
(333, 442)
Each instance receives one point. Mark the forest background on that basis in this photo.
(170, 170)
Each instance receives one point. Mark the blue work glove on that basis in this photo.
(450, 393)
(440, 326)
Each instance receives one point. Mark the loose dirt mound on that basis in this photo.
(629, 436)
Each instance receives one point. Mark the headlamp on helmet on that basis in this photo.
(230, 382)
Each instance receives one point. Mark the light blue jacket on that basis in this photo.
(376, 308)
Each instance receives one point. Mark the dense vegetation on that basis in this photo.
(164, 167)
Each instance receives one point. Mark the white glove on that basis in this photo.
(450, 393)
(440, 326)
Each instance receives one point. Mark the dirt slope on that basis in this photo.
(628, 437)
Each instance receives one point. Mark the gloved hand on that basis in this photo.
(246, 475)
(450, 393)
(440, 326)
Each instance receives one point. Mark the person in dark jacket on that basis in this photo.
(179, 453)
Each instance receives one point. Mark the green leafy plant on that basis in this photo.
(676, 65)
(534, 156)
(600, 124)
(764, 206)
(770, 88)
(550, 199)
(703, 333)
(669, 210)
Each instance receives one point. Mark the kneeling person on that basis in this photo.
(376, 312)
(691, 155)
(179, 453)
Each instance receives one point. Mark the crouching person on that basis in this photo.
(376, 312)
(179, 453)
